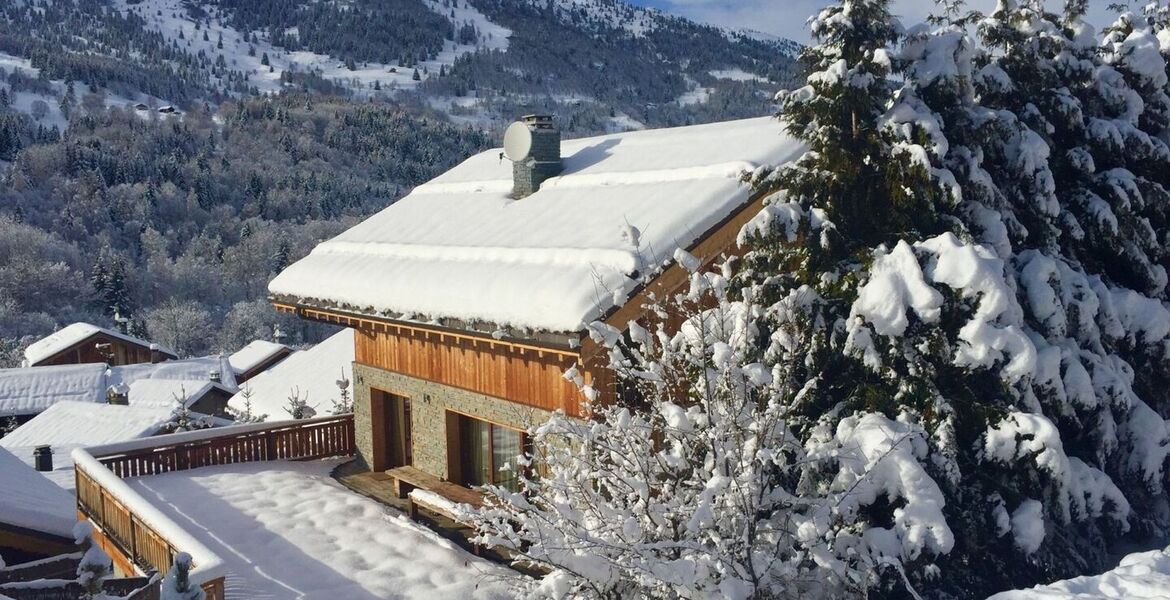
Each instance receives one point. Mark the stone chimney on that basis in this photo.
(543, 161)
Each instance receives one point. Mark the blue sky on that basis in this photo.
(787, 17)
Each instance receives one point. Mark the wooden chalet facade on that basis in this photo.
(82, 343)
(452, 397)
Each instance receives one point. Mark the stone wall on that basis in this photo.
(429, 404)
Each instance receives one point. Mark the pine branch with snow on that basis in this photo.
(95, 565)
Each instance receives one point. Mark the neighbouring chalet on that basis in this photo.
(471, 296)
(82, 343)
(257, 357)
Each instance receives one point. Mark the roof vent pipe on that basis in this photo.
(533, 144)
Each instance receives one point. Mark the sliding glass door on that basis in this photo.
(489, 453)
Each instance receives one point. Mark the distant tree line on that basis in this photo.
(184, 221)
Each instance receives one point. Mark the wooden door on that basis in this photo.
(391, 415)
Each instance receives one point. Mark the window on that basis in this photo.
(489, 453)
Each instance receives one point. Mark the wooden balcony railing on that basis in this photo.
(149, 540)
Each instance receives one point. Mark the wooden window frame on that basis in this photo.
(525, 441)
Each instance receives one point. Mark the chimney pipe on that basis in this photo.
(543, 160)
(43, 458)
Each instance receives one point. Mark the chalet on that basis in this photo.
(471, 297)
(255, 358)
(81, 343)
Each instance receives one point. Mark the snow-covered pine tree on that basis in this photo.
(298, 407)
(95, 565)
(183, 418)
(176, 585)
(246, 414)
(343, 405)
(1033, 314)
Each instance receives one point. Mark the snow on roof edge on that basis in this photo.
(60, 340)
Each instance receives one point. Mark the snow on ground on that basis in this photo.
(1141, 576)
(23, 101)
(288, 530)
(736, 75)
(696, 95)
(169, 17)
(311, 373)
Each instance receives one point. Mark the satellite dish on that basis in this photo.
(517, 142)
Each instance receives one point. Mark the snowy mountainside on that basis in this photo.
(601, 65)
(214, 29)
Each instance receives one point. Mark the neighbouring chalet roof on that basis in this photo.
(313, 373)
(68, 425)
(30, 501)
(255, 354)
(30, 390)
(164, 393)
(459, 248)
(76, 333)
(191, 369)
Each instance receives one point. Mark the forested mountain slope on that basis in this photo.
(162, 158)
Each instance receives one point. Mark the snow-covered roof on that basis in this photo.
(68, 425)
(460, 248)
(30, 390)
(163, 393)
(67, 337)
(313, 373)
(255, 354)
(30, 501)
(190, 369)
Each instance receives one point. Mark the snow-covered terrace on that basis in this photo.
(258, 511)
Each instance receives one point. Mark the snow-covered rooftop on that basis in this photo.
(70, 335)
(29, 500)
(254, 354)
(30, 390)
(165, 393)
(190, 369)
(460, 248)
(313, 373)
(68, 425)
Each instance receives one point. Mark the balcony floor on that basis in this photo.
(377, 486)
(289, 530)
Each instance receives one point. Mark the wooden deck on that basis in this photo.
(380, 487)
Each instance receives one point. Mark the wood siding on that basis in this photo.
(114, 351)
(525, 375)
